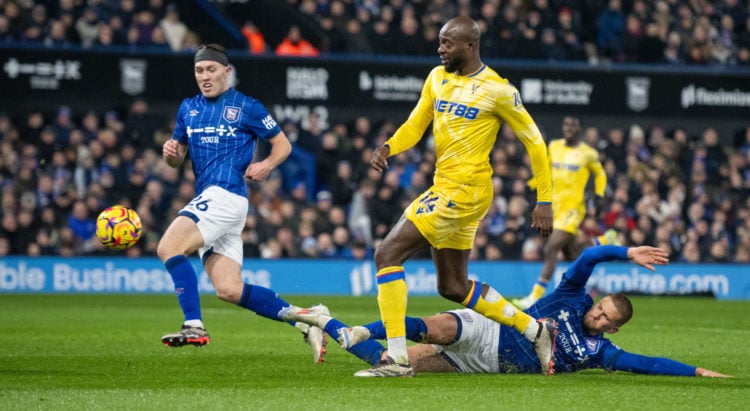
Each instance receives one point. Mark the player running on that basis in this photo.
(466, 102)
(572, 162)
(220, 127)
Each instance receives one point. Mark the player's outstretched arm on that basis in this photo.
(702, 372)
(642, 364)
(647, 256)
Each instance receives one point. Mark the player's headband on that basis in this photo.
(212, 52)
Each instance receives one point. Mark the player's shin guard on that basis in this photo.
(496, 307)
(185, 286)
(392, 297)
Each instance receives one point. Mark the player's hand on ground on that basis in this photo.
(541, 219)
(647, 256)
(702, 372)
(379, 159)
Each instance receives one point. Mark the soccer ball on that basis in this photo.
(118, 227)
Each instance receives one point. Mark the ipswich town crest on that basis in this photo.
(231, 114)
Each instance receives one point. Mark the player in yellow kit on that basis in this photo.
(572, 163)
(466, 102)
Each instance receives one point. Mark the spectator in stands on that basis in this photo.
(87, 27)
(333, 36)
(715, 157)
(409, 41)
(673, 49)
(255, 40)
(119, 29)
(356, 40)
(326, 247)
(158, 40)
(174, 29)
(632, 37)
(528, 45)
(140, 125)
(192, 42)
(126, 12)
(610, 25)
(6, 35)
(294, 45)
(698, 47)
(81, 222)
(381, 38)
(105, 36)
(341, 185)
(144, 23)
(551, 50)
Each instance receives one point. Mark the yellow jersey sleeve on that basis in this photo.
(412, 130)
(600, 176)
(511, 109)
(466, 114)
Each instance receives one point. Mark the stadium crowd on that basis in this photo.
(691, 32)
(699, 32)
(678, 189)
(675, 188)
(101, 23)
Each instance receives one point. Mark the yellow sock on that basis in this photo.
(608, 238)
(496, 307)
(538, 290)
(392, 296)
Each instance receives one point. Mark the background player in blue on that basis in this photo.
(219, 127)
(464, 341)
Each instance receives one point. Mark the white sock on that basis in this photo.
(194, 323)
(287, 313)
(397, 350)
(531, 330)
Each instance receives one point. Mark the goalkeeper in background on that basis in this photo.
(572, 162)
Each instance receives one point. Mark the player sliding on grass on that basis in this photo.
(464, 341)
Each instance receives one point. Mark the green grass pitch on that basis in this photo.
(92, 352)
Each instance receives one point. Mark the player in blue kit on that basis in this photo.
(465, 341)
(220, 127)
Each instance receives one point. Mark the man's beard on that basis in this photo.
(453, 65)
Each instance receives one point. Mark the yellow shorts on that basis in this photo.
(568, 220)
(448, 213)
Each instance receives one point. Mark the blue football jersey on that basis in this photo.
(567, 305)
(221, 134)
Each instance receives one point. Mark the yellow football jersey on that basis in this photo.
(466, 114)
(571, 168)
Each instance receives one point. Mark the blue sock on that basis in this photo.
(262, 301)
(185, 286)
(368, 351)
(416, 329)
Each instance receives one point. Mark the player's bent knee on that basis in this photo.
(228, 293)
(452, 293)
